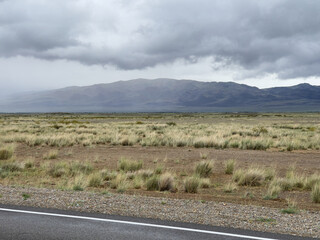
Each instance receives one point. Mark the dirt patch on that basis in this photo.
(181, 162)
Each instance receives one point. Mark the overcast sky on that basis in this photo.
(47, 44)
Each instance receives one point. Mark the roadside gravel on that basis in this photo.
(305, 223)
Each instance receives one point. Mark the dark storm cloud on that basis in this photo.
(271, 36)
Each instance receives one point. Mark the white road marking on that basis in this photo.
(136, 223)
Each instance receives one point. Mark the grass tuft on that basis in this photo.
(166, 182)
(129, 165)
(6, 153)
(191, 184)
(252, 177)
(230, 187)
(315, 194)
(273, 192)
(52, 154)
(152, 183)
(229, 167)
(204, 169)
(95, 180)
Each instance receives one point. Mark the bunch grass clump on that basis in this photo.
(10, 166)
(52, 154)
(57, 170)
(76, 168)
(127, 165)
(251, 177)
(273, 192)
(205, 182)
(166, 182)
(191, 184)
(229, 166)
(315, 194)
(204, 169)
(230, 187)
(118, 181)
(311, 181)
(95, 180)
(152, 183)
(6, 153)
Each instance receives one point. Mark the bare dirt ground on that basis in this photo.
(181, 162)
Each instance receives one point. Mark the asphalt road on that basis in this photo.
(35, 223)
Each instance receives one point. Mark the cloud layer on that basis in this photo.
(260, 37)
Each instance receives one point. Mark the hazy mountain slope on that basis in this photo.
(167, 95)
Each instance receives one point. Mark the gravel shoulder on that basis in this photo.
(305, 223)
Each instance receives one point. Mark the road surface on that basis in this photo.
(36, 223)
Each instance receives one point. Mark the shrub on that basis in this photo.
(166, 182)
(6, 153)
(95, 180)
(229, 167)
(252, 177)
(129, 165)
(191, 184)
(153, 183)
(315, 194)
(230, 187)
(204, 168)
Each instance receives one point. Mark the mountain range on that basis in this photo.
(167, 95)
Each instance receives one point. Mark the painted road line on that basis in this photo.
(135, 223)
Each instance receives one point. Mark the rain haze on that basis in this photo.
(55, 44)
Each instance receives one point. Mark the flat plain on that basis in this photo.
(251, 159)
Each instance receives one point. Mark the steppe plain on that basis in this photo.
(265, 161)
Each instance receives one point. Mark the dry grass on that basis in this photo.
(6, 152)
(52, 154)
(204, 169)
(191, 184)
(152, 183)
(273, 192)
(229, 167)
(315, 194)
(228, 131)
(95, 180)
(166, 182)
(288, 133)
(205, 183)
(230, 187)
(251, 177)
(127, 165)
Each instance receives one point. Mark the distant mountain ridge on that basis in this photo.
(167, 95)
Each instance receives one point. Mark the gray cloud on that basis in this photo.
(261, 37)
